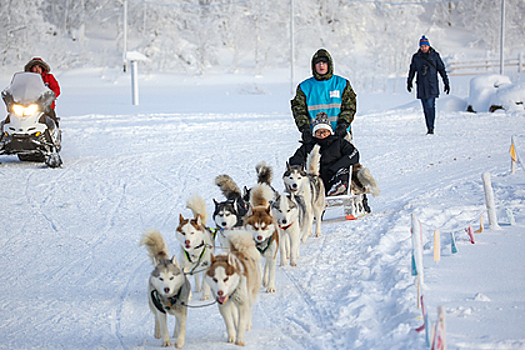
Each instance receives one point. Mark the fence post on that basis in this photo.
(489, 201)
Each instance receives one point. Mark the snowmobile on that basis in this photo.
(28, 131)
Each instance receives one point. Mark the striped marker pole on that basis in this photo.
(489, 201)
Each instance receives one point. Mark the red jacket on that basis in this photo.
(52, 83)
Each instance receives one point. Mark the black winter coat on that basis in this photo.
(336, 153)
(427, 65)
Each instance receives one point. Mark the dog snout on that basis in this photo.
(259, 238)
(187, 242)
(284, 221)
(166, 290)
(220, 293)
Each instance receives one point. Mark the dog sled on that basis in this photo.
(354, 205)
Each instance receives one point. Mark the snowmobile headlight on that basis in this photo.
(22, 111)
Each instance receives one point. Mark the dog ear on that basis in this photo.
(268, 209)
(215, 202)
(232, 260)
(181, 219)
(174, 261)
(287, 166)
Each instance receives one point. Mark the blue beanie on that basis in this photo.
(424, 41)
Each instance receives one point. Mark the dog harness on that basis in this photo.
(260, 246)
(169, 302)
(198, 263)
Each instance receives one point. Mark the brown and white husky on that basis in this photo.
(235, 280)
(261, 223)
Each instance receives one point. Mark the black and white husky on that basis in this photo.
(197, 243)
(308, 184)
(168, 290)
(230, 213)
(289, 211)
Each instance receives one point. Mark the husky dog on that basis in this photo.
(260, 222)
(169, 289)
(235, 280)
(289, 211)
(229, 213)
(309, 185)
(363, 182)
(197, 243)
(264, 176)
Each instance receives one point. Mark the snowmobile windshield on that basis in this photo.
(27, 88)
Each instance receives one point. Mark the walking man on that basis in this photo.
(427, 63)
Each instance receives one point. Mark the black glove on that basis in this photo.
(340, 129)
(306, 133)
(409, 86)
(447, 89)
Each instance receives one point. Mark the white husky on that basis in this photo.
(168, 289)
(235, 280)
(289, 211)
(309, 185)
(197, 243)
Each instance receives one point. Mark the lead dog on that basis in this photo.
(197, 243)
(308, 184)
(289, 211)
(260, 222)
(235, 280)
(168, 289)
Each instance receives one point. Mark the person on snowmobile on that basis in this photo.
(324, 92)
(37, 65)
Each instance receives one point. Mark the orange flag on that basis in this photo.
(512, 152)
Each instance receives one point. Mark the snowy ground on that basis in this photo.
(73, 276)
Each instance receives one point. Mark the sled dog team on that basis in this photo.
(251, 226)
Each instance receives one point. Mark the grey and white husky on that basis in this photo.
(168, 289)
(308, 184)
(197, 243)
(235, 280)
(289, 211)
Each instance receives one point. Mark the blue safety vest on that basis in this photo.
(324, 96)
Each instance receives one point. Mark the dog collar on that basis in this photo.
(285, 227)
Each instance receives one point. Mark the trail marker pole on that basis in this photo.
(489, 200)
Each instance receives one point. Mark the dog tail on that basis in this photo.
(198, 207)
(313, 161)
(228, 187)
(368, 181)
(264, 173)
(242, 241)
(154, 242)
(261, 195)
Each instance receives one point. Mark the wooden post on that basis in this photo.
(437, 246)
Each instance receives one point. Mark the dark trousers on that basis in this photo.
(429, 108)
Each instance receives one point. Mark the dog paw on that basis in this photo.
(283, 263)
(270, 290)
(179, 345)
(293, 264)
(205, 297)
(166, 343)
(240, 343)
(231, 339)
